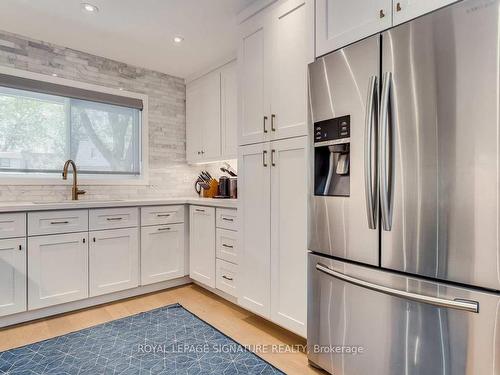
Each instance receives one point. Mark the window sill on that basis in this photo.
(83, 180)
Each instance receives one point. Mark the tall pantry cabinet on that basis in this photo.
(275, 47)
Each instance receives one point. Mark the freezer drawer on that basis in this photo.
(397, 324)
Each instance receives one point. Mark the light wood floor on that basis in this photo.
(241, 325)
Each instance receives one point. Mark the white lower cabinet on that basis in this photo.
(227, 245)
(254, 258)
(12, 276)
(162, 253)
(113, 260)
(226, 274)
(57, 269)
(288, 234)
(273, 219)
(202, 244)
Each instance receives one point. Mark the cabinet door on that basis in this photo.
(203, 133)
(57, 269)
(162, 253)
(289, 233)
(194, 130)
(254, 213)
(253, 73)
(12, 276)
(202, 244)
(229, 114)
(405, 10)
(113, 260)
(293, 48)
(211, 116)
(341, 22)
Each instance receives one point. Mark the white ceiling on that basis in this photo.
(138, 32)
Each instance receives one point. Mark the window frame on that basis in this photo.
(33, 178)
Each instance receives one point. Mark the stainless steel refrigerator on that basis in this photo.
(404, 226)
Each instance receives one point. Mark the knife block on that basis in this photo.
(212, 191)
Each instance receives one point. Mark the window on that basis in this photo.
(39, 131)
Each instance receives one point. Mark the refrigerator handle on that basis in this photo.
(457, 304)
(371, 117)
(383, 152)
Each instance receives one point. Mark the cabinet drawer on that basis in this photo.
(112, 218)
(158, 215)
(227, 218)
(227, 245)
(12, 225)
(56, 222)
(226, 277)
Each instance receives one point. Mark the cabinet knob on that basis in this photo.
(398, 7)
(381, 13)
(20, 247)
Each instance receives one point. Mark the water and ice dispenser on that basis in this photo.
(331, 157)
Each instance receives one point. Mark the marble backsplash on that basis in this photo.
(169, 174)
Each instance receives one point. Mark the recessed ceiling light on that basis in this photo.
(90, 8)
(178, 39)
(54, 75)
(120, 88)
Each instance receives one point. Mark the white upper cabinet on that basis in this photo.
(405, 10)
(341, 22)
(274, 49)
(211, 117)
(253, 62)
(12, 276)
(292, 50)
(203, 118)
(229, 113)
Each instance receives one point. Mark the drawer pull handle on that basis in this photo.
(168, 228)
(59, 222)
(114, 218)
(227, 278)
(162, 215)
(227, 219)
(199, 210)
(229, 246)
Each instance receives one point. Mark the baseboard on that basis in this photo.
(89, 302)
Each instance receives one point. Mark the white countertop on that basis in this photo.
(81, 204)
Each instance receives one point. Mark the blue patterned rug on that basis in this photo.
(168, 340)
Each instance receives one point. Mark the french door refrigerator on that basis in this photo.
(404, 226)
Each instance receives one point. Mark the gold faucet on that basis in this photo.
(75, 192)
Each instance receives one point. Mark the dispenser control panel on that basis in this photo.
(332, 129)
